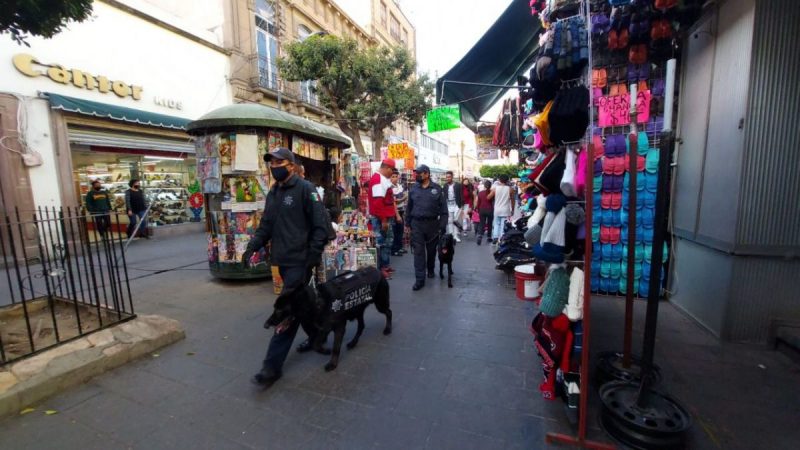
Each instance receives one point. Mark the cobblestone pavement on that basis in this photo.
(459, 371)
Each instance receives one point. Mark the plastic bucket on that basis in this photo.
(528, 283)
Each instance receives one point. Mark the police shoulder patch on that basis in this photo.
(434, 191)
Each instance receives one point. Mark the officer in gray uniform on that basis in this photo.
(427, 217)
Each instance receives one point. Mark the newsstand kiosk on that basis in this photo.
(230, 143)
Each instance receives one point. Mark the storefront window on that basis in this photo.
(166, 180)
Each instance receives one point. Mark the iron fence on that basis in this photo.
(64, 276)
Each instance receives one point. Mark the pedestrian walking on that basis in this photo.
(98, 204)
(485, 209)
(454, 196)
(400, 200)
(468, 198)
(294, 223)
(503, 198)
(382, 213)
(136, 206)
(427, 214)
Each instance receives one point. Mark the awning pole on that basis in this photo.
(471, 83)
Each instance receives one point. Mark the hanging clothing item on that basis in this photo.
(569, 115)
(551, 249)
(574, 308)
(542, 122)
(514, 122)
(553, 341)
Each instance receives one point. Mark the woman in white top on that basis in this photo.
(503, 206)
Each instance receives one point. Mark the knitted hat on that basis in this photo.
(568, 179)
(534, 234)
(549, 181)
(551, 248)
(581, 234)
(599, 148)
(574, 213)
(574, 309)
(555, 202)
(555, 294)
(539, 212)
(580, 172)
(653, 156)
(569, 116)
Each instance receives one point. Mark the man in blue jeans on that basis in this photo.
(294, 223)
(503, 196)
(382, 213)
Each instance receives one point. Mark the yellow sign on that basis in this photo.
(28, 65)
(402, 151)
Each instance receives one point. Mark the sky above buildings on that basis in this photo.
(447, 29)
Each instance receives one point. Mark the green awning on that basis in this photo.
(254, 115)
(113, 112)
(507, 50)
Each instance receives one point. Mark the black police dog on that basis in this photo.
(345, 298)
(331, 308)
(447, 248)
(299, 302)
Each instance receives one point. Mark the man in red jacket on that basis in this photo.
(382, 212)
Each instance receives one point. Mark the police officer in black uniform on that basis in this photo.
(294, 222)
(427, 216)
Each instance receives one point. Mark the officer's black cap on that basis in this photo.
(280, 153)
(422, 168)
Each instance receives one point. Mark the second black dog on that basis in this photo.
(345, 298)
(447, 247)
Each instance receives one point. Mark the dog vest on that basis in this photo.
(349, 290)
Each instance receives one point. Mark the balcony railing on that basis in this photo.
(308, 97)
(265, 76)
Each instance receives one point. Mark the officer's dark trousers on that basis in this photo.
(397, 238)
(424, 238)
(281, 343)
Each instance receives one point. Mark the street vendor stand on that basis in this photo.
(230, 143)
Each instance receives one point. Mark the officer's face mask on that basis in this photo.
(279, 173)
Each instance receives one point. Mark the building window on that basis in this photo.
(404, 39)
(383, 14)
(303, 32)
(266, 45)
(394, 28)
(308, 92)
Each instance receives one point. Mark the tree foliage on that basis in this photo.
(46, 18)
(366, 89)
(494, 172)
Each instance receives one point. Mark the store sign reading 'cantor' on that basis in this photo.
(28, 65)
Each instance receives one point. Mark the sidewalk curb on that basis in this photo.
(34, 379)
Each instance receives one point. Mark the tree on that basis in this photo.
(494, 172)
(46, 18)
(366, 89)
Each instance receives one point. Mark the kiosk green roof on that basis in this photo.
(253, 115)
